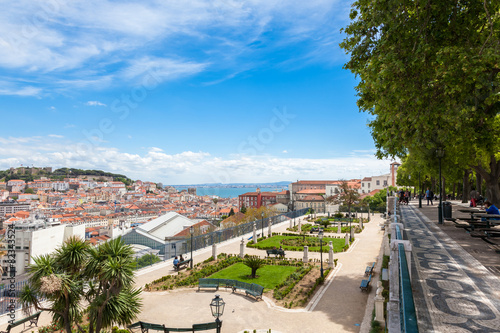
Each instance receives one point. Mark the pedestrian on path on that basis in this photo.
(473, 197)
(429, 195)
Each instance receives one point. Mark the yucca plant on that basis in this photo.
(101, 276)
(254, 263)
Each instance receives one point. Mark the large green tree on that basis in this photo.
(429, 74)
(78, 279)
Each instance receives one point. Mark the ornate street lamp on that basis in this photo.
(440, 155)
(320, 236)
(191, 231)
(217, 307)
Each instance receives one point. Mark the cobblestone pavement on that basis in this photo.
(453, 292)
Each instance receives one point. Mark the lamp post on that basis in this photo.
(191, 231)
(440, 154)
(419, 192)
(350, 219)
(217, 307)
(320, 236)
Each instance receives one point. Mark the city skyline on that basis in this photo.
(206, 92)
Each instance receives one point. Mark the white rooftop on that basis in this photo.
(166, 225)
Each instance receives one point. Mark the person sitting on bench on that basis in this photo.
(176, 262)
(491, 209)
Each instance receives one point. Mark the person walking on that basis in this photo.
(473, 197)
(429, 195)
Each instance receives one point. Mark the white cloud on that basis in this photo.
(284, 151)
(95, 103)
(21, 91)
(56, 136)
(186, 167)
(161, 69)
(55, 43)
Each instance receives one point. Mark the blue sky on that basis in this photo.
(182, 92)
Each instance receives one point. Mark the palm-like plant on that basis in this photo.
(57, 278)
(254, 263)
(103, 276)
(111, 295)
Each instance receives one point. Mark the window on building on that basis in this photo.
(368, 185)
(362, 184)
(385, 182)
(378, 182)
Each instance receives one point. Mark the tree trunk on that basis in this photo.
(254, 272)
(479, 182)
(466, 187)
(491, 178)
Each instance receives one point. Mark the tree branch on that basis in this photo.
(491, 27)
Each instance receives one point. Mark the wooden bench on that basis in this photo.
(145, 327)
(33, 319)
(495, 247)
(276, 252)
(369, 269)
(182, 263)
(365, 284)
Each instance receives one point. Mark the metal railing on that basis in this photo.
(9, 296)
(183, 246)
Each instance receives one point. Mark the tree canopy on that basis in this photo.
(429, 74)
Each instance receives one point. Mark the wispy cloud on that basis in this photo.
(162, 69)
(54, 43)
(186, 167)
(95, 103)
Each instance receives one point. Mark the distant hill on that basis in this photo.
(29, 174)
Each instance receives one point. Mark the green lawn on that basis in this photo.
(295, 243)
(268, 276)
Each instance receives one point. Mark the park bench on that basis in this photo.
(205, 327)
(255, 290)
(369, 269)
(182, 263)
(365, 284)
(145, 327)
(495, 247)
(276, 252)
(208, 283)
(33, 319)
(249, 288)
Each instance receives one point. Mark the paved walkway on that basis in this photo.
(339, 306)
(453, 291)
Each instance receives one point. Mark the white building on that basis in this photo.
(60, 186)
(33, 239)
(381, 182)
